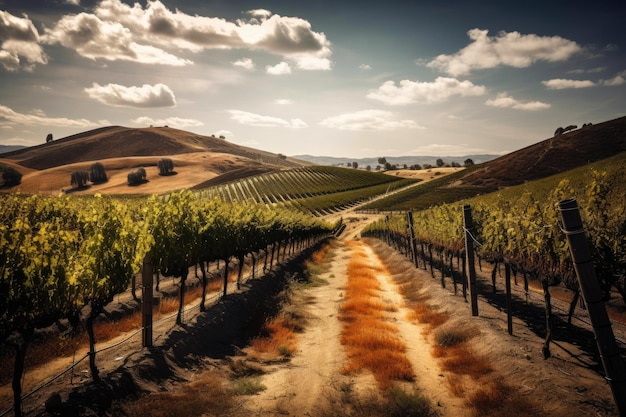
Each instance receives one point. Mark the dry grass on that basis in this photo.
(209, 396)
(493, 397)
(394, 402)
(371, 342)
(279, 338)
(44, 351)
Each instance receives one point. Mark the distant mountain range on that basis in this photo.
(7, 148)
(394, 160)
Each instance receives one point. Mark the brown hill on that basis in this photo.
(551, 156)
(46, 168)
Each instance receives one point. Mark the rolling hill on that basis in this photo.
(47, 168)
(551, 156)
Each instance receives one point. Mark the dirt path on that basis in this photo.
(312, 380)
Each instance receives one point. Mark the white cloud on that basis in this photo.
(368, 120)
(119, 31)
(170, 121)
(425, 92)
(74, 2)
(225, 133)
(279, 69)
(365, 67)
(38, 117)
(245, 63)
(19, 40)
(252, 119)
(615, 81)
(95, 38)
(560, 84)
(505, 101)
(283, 101)
(158, 95)
(510, 49)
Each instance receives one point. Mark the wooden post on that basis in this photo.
(509, 314)
(146, 301)
(469, 254)
(409, 219)
(612, 362)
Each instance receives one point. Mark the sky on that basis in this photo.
(334, 78)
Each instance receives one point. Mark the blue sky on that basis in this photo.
(338, 78)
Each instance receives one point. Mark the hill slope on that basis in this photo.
(47, 167)
(551, 156)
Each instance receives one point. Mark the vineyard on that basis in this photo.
(62, 254)
(316, 190)
(521, 229)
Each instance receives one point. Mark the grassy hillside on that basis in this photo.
(47, 168)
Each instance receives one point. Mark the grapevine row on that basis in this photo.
(59, 254)
(316, 190)
(524, 232)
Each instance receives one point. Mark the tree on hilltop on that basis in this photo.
(49, 138)
(382, 161)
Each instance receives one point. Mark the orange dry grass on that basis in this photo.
(371, 342)
(280, 340)
(460, 360)
(425, 314)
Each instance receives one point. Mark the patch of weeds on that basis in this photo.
(450, 337)
(404, 404)
(284, 351)
(248, 385)
(242, 368)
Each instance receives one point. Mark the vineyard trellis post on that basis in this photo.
(509, 313)
(413, 243)
(612, 362)
(147, 301)
(468, 224)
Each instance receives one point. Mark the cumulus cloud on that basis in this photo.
(560, 84)
(368, 120)
(245, 63)
(424, 92)
(283, 101)
(252, 119)
(365, 67)
(19, 40)
(505, 101)
(158, 95)
(279, 69)
(95, 38)
(509, 49)
(615, 81)
(119, 31)
(170, 121)
(38, 117)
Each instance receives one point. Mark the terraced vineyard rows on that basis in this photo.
(317, 190)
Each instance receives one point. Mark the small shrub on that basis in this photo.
(248, 385)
